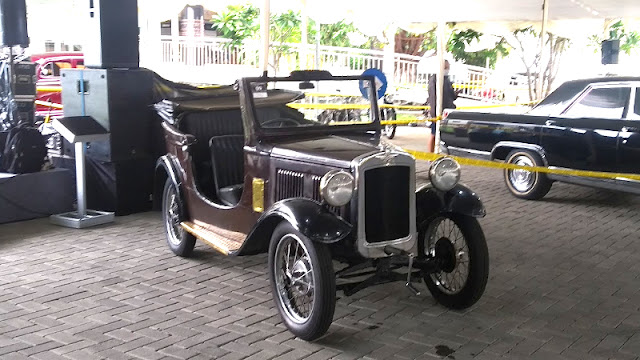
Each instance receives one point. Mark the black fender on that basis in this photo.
(460, 200)
(307, 216)
(503, 148)
(165, 168)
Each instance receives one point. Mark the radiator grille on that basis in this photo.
(291, 184)
(386, 203)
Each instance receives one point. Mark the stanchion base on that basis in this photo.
(73, 220)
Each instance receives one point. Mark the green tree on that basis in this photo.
(541, 68)
(460, 39)
(457, 45)
(238, 23)
(332, 34)
(284, 29)
(629, 40)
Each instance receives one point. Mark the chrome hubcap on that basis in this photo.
(294, 278)
(172, 218)
(522, 180)
(448, 246)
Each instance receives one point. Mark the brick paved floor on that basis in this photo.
(564, 284)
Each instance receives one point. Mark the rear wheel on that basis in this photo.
(178, 239)
(526, 184)
(459, 247)
(302, 282)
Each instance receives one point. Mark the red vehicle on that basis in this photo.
(49, 90)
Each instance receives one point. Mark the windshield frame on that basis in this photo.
(247, 100)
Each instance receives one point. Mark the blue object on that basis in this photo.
(381, 83)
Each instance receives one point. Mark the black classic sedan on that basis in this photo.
(590, 124)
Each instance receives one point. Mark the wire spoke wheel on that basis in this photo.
(303, 282)
(178, 239)
(172, 218)
(457, 244)
(294, 278)
(447, 244)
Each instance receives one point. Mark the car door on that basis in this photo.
(629, 138)
(585, 135)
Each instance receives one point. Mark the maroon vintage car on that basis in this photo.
(48, 86)
(256, 168)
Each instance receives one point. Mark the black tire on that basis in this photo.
(178, 239)
(435, 241)
(320, 316)
(526, 184)
(389, 131)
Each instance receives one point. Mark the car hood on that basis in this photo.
(336, 151)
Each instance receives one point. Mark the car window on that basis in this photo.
(602, 103)
(328, 103)
(46, 69)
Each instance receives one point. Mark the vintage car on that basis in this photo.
(590, 124)
(49, 89)
(249, 170)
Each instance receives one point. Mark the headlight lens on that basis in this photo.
(336, 187)
(444, 173)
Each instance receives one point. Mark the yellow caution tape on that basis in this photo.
(408, 121)
(49, 88)
(419, 155)
(400, 107)
(310, 94)
(49, 104)
(329, 106)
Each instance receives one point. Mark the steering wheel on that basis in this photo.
(281, 121)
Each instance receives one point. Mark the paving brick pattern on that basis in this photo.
(564, 284)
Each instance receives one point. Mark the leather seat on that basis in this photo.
(203, 125)
(227, 157)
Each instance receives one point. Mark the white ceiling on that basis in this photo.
(377, 13)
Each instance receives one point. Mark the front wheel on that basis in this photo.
(458, 245)
(302, 282)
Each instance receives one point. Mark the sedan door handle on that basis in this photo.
(550, 123)
(629, 129)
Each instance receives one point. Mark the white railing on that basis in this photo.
(345, 61)
(216, 60)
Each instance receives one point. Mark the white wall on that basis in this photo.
(60, 21)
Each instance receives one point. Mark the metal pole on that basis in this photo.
(317, 45)
(264, 27)
(304, 36)
(80, 183)
(543, 30)
(439, 83)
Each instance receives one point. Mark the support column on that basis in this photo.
(265, 15)
(175, 38)
(543, 31)
(389, 63)
(317, 45)
(304, 37)
(439, 82)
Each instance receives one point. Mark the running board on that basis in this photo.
(224, 244)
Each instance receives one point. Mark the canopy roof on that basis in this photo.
(403, 11)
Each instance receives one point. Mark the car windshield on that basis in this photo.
(318, 103)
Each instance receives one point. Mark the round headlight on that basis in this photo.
(444, 173)
(336, 187)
